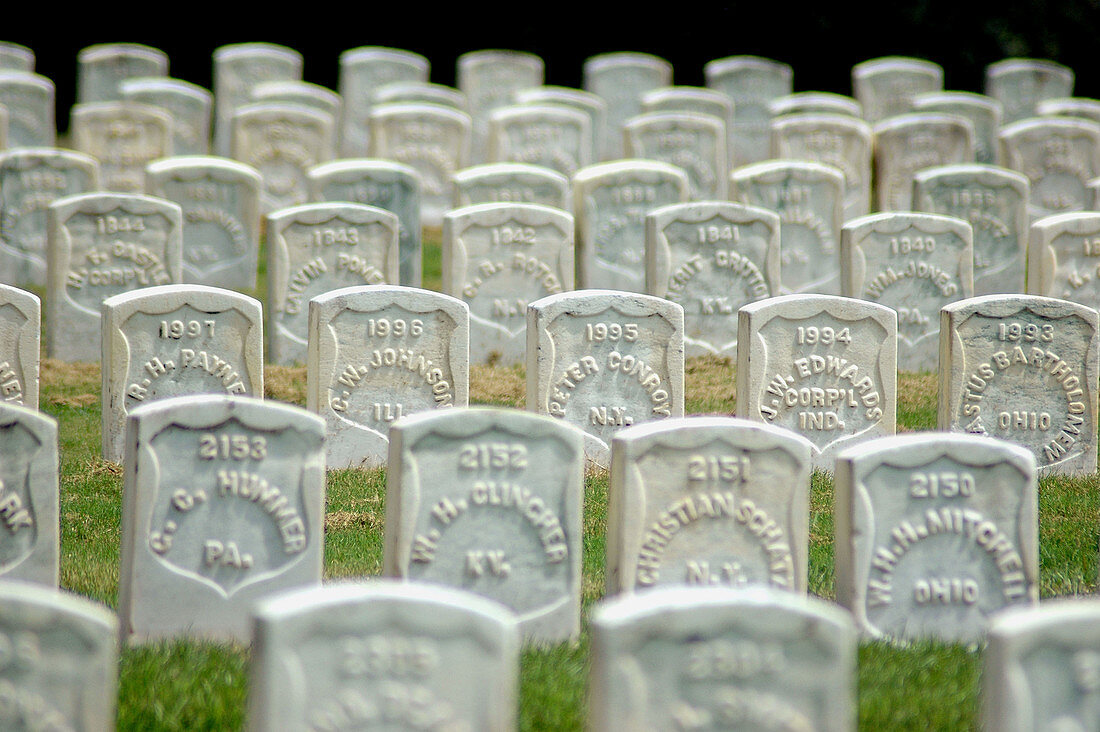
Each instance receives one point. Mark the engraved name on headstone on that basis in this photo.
(316, 248)
(707, 501)
(559, 138)
(223, 506)
(809, 199)
(694, 143)
(712, 258)
(1064, 258)
(29, 499)
(751, 83)
(384, 184)
(124, 137)
(1059, 156)
(30, 180)
(489, 79)
(983, 112)
(282, 141)
(610, 201)
(20, 340)
(819, 365)
(221, 217)
(489, 501)
(994, 201)
(679, 658)
(29, 100)
(603, 360)
(382, 654)
(14, 57)
(620, 79)
(104, 244)
(190, 106)
(934, 534)
(512, 183)
(886, 86)
(841, 141)
(1021, 83)
(66, 675)
(497, 258)
(914, 263)
(908, 143)
(1024, 369)
(363, 70)
(238, 68)
(175, 340)
(102, 68)
(430, 138)
(378, 353)
(592, 105)
(815, 102)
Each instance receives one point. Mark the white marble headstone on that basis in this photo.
(313, 96)
(914, 263)
(124, 137)
(30, 180)
(984, 113)
(1064, 258)
(379, 353)
(712, 258)
(716, 658)
(363, 70)
(707, 501)
(190, 105)
(934, 534)
(555, 137)
(603, 360)
(102, 68)
(699, 100)
(591, 104)
(420, 92)
(489, 78)
(20, 328)
(220, 200)
(14, 57)
(1070, 107)
(512, 183)
(1021, 83)
(29, 501)
(620, 79)
(313, 249)
(497, 258)
(175, 340)
(489, 501)
(383, 655)
(841, 141)
(99, 245)
(815, 102)
(694, 143)
(1059, 156)
(237, 69)
(886, 86)
(223, 506)
(909, 143)
(751, 83)
(29, 100)
(1023, 369)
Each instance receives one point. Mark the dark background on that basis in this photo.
(820, 41)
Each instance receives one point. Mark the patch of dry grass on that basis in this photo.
(710, 385)
(502, 386)
(285, 384)
(918, 400)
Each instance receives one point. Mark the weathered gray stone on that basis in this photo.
(497, 258)
(124, 137)
(908, 143)
(694, 143)
(512, 183)
(1021, 83)
(316, 248)
(603, 360)
(383, 653)
(994, 201)
(886, 86)
(378, 353)
(189, 105)
(176, 340)
(914, 263)
(20, 329)
(29, 100)
(1039, 668)
(14, 57)
(101, 68)
(30, 180)
(420, 92)
(28, 481)
(809, 199)
(610, 202)
(620, 79)
(841, 141)
(715, 658)
(983, 112)
(489, 78)
(489, 500)
(238, 68)
(282, 141)
(591, 104)
(432, 139)
(363, 71)
(1023, 369)
(1059, 156)
(104, 244)
(223, 506)
(815, 102)
(64, 668)
(934, 534)
(822, 366)
(220, 200)
(751, 83)
(1070, 107)
(712, 258)
(1062, 262)
(559, 138)
(668, 477)
(386, 185)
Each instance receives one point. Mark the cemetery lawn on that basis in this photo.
(186, 685)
